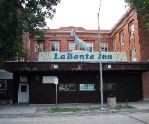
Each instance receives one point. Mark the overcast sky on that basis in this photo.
(83, 13)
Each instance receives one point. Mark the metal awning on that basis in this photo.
(5, 74)
(75, 66)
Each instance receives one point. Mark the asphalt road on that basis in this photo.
(95, 118)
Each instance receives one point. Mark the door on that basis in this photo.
(23, 93)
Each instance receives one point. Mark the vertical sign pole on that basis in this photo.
(56, 83)
(56, 95)
(100, 62)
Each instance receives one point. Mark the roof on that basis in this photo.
(76, 29)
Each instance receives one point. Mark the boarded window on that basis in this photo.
(3, 86)
(67, 87)
(109, 86)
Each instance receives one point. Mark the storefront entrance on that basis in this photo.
(23, 93)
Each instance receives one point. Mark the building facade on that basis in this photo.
(80, 81)
(129, 35)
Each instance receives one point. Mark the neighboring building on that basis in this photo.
(79, 81)
(131, 36)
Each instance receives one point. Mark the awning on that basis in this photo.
(5, 74)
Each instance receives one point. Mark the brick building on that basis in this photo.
(61, 40)
(79, 81)
(128, 35)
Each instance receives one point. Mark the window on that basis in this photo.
(3, 86)
(23, 88)
(134, 55)
(55, 46)
(89, 47)
(87, 87)
(104, 47)
(114, 44)
(39, 47)
(122, 40)
(109, 86)
(72, 46)
(67, 87)
(132, 31)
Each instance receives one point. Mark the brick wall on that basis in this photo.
(145, 81)
(140, 42)
(124, 25)
(62, 35)
(144, 39)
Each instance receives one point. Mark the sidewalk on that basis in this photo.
(31, 110)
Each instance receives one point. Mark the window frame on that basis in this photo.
(114, 44)
(134, 55)
(57, 44)
(105, 46)
(132, 31)
(122, 38)
(91, 45)
(69, 46)
(39, 46)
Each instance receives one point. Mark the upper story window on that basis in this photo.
(132, 31)
(122, 39)
(104, 47)
(54, 46)
(39, 47)
(134, 55)
(114, 44)
(90, 47)
(71, 46)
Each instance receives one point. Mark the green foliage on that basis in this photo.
(19, 16)
(65, 110)
(142, 7)
(120, 107)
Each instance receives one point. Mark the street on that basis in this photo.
(141, 117)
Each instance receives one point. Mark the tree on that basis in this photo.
(142, 7)
(19, 16)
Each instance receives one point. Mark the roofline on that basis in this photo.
(121, 19)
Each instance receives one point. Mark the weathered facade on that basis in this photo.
(79, 82)
(122, 80)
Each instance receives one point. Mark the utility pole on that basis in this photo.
(100, 61)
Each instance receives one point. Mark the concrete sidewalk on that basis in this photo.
(31, 110)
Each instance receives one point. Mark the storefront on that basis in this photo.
(78, 82)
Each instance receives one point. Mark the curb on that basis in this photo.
(69, 113)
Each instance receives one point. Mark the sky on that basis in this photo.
(83, 13)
